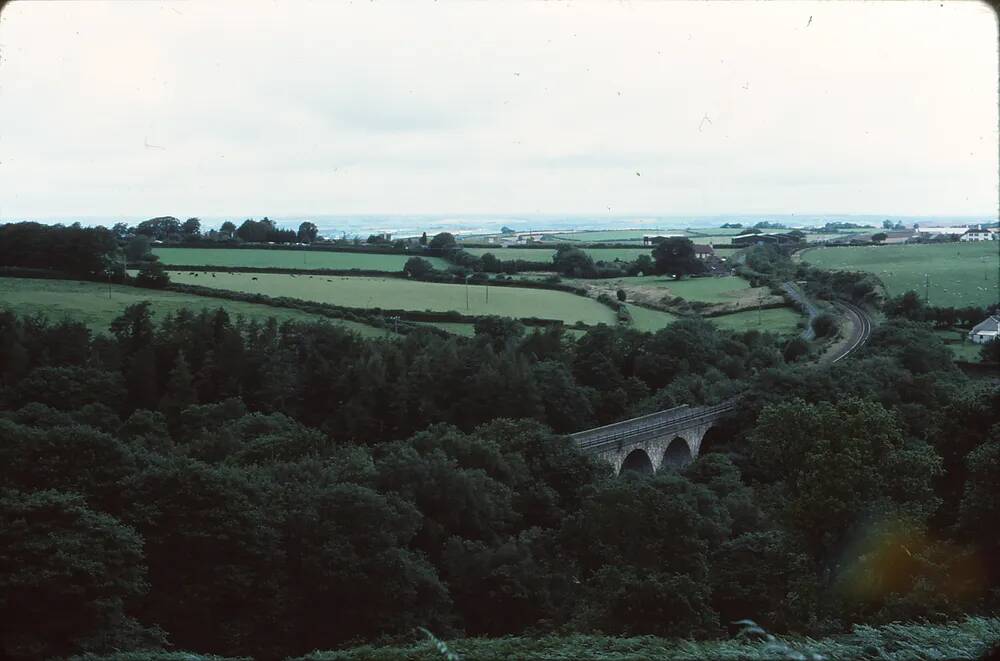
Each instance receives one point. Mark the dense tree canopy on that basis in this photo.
(307, 232)
(675, 256)
(266, 489)
(81, 252)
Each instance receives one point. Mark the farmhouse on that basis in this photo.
(703, 252)
(973, 234)
(986, 331)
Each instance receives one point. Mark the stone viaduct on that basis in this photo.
(670, 438)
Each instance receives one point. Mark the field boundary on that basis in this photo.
(360, 315)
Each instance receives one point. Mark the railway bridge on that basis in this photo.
(670, 438)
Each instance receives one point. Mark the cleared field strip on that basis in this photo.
(292, 259)
(726, 289)
(88, 302)
(960, 346)
(455, 328)
(783, 321)
(398, 294)
(545, 254)
(611, 236)
(960, 274)
(648, 320)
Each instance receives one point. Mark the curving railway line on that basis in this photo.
(861, 330)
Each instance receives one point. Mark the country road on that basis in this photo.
(799, 297)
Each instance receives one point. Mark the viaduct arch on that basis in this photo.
(668, 439)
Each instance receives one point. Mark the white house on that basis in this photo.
(973, 234)
(986, 331)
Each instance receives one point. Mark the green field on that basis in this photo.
(960, 274)
(776, 320)
(400, 294)
(89, 303)
(545, 254)
(725, 289)
(289, 259)
(960, 346)
(648, 320)
(612, 236)
(455, 328)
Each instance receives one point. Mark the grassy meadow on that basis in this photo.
(88, 302)
(612, 236)
(645, 319)
(782, 321)
(957, 341)
(292, 259)
(725, 289)
(960, 273)
(544, 255)
(400, 294)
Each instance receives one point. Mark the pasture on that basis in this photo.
(960, 274)
(783, 321)
(401, 294)
(544, 255)
(648, 320)
(960, 346)
(725, 289)
(88, 302)
(290, 259)
(612, 236)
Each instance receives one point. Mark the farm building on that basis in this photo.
(986, 331)
(703, 252)
(973, 234)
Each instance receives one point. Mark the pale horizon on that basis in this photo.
(676, 109)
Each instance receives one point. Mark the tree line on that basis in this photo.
(235, 487)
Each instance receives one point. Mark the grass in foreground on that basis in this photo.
(400, 294)
(967, 639)
(88, 302)
(960, 273)
(290, 259)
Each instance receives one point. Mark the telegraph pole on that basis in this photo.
(927, 288)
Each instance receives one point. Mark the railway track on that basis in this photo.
(592, 440)
(862, 330)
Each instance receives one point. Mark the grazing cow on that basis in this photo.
(254, 278)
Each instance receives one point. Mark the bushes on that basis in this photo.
(824, 325)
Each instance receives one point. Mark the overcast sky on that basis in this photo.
(246, 109)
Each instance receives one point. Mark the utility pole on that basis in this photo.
(466, 293)
(927, 288)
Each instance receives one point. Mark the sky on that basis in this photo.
(139, 109)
